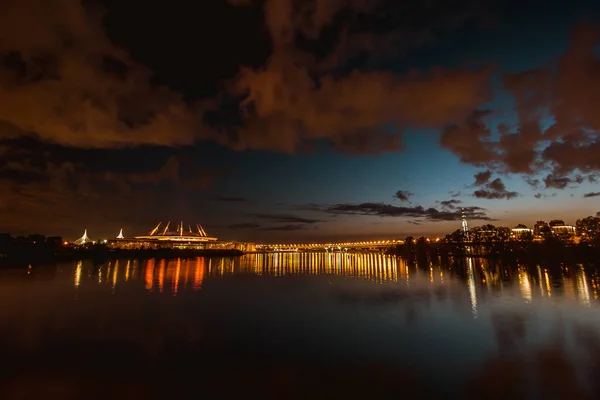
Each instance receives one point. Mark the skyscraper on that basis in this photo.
(465, 225)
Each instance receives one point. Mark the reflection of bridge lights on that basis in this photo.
(149, 275)
(175, 278)
(161, 275)
(198, 273)
(115, 274)
(525, 285)
(582, 286)
(127, 267)
(377, 267)
(548, 286)
(472, 289)
(77, 278)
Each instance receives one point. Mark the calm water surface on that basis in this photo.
(298, 326)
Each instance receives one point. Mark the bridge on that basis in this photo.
(372, 245)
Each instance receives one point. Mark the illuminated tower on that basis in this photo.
(465, 225)
(121, 235)
(83, 240)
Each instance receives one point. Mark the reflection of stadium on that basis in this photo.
(190, 239)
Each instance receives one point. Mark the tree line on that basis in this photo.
(542, 245)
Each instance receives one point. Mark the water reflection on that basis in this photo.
(367, 322)
(472, 287)
(479, 275)
(77, 278)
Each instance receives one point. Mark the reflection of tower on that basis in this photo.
(465, 225)
(471, 282)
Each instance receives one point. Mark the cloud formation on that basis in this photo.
(232, 199)
(76, 187)
(564, 91)
(62, 79)
(246, 225)
(591, 194)
(387, 210)
(557, 181)
(285, 218)
(482, 178)
(450, 204)
(291, 100)
(286, 228)
(65, 81)
(403, 195)
(495, 189)
(284, 222)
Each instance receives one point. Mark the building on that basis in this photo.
(563, 229)
(540, 228)
(464, 224)
(180, 238)
(521, 232)
(559, 227)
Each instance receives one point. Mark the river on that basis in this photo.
(298, 325)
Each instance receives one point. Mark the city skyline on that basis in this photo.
(362, 120)
(464, 226)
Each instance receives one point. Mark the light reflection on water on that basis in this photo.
(368, 322)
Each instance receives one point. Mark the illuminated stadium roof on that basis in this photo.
(179, 234)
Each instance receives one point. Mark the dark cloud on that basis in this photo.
(592, 194)
(491, 190)
(232, 199)
(566, 91)
(257, 227)
(248, 225)
(562, 181)
(286, 228)
(285, 218)
(470, 140)
(533, 182)
(285, 105)
(353, 22)
(403, 195)
(99, 187)
(63, 79)
(490, 194)
(338, 110)
(23, 158)
(482, 177)
(13, 173)
(450, 204)
(387, 210)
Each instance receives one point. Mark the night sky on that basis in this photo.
(289, 120)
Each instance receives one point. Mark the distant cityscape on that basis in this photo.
(181, 236)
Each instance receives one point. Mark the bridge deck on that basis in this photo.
(326, 246)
